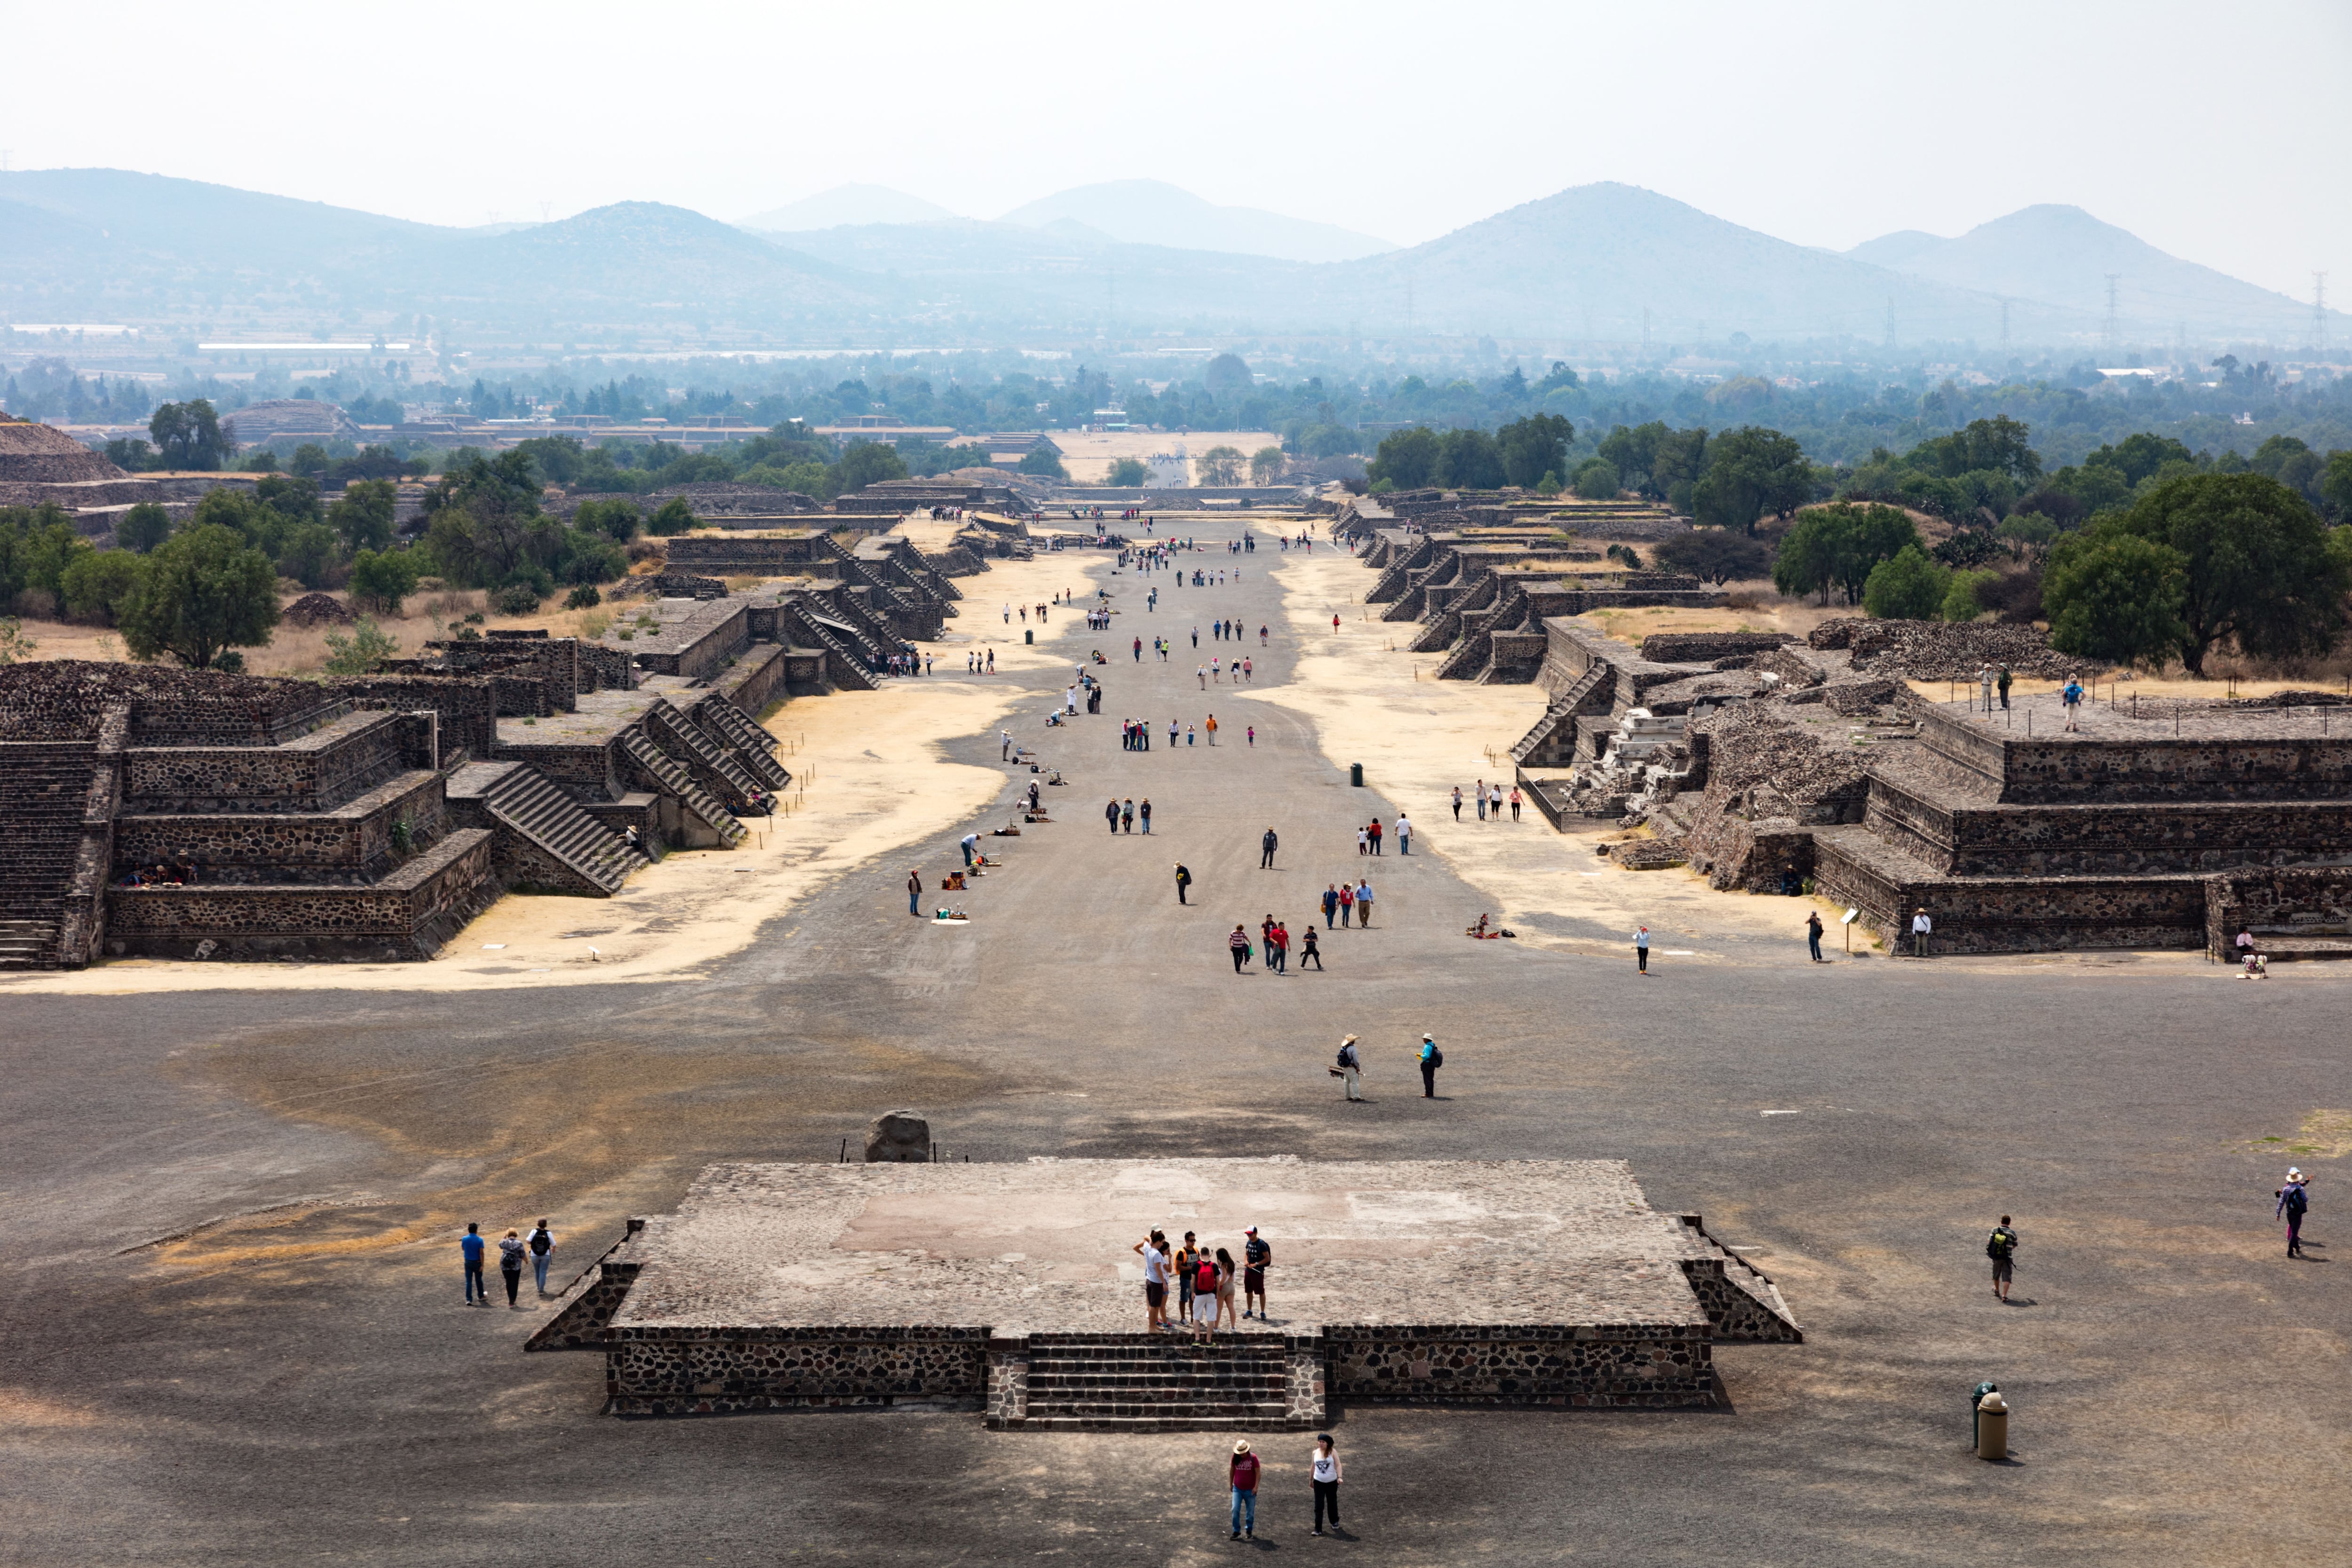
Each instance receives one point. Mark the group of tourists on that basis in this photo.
(1217, 668)
(1203, 1282)
(1244, 1472)
(1350, 1066)
(910, 663)
(515, 1254)
(1122, 814)
(972, 663)
(1370, 836)
(1277, 938)
(1488, 798)
(1340, 899)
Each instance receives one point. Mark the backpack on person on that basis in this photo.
(2001, 1244)
(1205, 1278)
(1436, 1056)
(2297, 1202)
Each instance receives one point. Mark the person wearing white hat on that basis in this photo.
(1241, 1475)
(1431, 1058)
(2294, 1203)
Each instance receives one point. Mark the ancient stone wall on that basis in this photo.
(316, 772)
(2148, 838)
(353, 843)
(1660, 1364)
(466, 706)
(757, 678)
(2012, 914)
(2291, 901)
(672, 1372)
(62, 698)
(1705, 647)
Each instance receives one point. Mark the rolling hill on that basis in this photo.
(848, 204)
(1152, 211)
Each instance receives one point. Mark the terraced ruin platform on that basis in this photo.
(1014, 1289)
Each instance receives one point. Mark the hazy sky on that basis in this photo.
(2217, 132)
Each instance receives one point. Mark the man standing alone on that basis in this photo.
(1431, 1058)
(2002, 1248)
(1243, 1477)
(1266, 851)
(1184, 881)
(1404, 834)
(1920, 926)
(477, 1294)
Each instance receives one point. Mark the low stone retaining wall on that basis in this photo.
(407, 915)
(315, 773)
(1655, 1364)
(757, 680)
(354, 842)
(674, 1372)
(2019, 914)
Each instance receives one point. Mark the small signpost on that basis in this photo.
(1847, 919)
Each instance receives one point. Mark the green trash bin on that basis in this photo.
(1029, 635)
(1356, 775)
(1976, 1414)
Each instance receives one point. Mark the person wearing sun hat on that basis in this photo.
(1240, 1475)
(2294, 1203)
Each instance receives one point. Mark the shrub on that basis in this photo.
(144, 527)
(96, 584)
(1598, 479)
(229, 662)
(1908, 585)
(360, 651)
(675, 516)
(1961, 600)
(380, 582)
(583, 597)
(517, 599)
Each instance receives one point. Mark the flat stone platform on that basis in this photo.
(1545, 1281)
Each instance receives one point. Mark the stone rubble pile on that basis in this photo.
(1941, 650)
(318, 610)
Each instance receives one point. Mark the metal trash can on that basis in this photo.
(1029, 633)
(1356, 775)
(1975, 1418)
(1993, 1427)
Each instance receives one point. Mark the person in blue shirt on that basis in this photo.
(2071, 696)
(477, 1294)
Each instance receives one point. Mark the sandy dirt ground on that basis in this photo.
(872, 779)
(1088, 457)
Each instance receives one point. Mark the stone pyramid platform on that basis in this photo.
(1015, 1288)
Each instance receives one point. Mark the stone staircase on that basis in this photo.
(714, 769)
(44, 792)
(752, 746)
(1543, 738)
(1162, 1383)
(524, 801)
(675, 781)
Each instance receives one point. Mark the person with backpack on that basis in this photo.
(1350, 1067)
(542, 1242)
(1239, 945)
(1431, 1058)
(2002, 1248)
(1256, 1256)
(1202, 1291)
(1184, 881)
(1813, 935)
(510, 1255)
(2294, 1203)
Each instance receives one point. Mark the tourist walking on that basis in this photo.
(1642, 950)
(2294, 1203)
(1256, 1256)
(1364, 905)
(1155, 1282)
(2002, 1248)
(1350, 1068)
(1921, 926)
(1347, 903)
(1184, 881)
(1481, 792)
(1363, 840)
(1375, 830)
(1431, 1058)
(1111, 814)
(1143, 815)
(1127, 816)
(1239, 945)
(1210, 725)
(1514, 801)
(472, 1246)
(1277, 948)
(541, 1242)
(1324, 1465)
(1813, 935)
(914, 890)
(2071, 696)
(1266, 851)
(1307, 952)
(1242, 1476)
(1404, 834)
(511, 1253)
(1331, 904)
(2003, 683)
(1457, 803)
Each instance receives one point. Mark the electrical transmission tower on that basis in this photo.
(2319, 312)
(2114, 328)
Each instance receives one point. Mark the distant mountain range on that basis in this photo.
(1601, 262)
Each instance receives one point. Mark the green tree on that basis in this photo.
(96, 583)
(190, 435)
(144, 527)
(499, 497)
(1598, 479)
(1751, 471)
(675, 516)
(1715, 555)
(1838, 546)
(381, 581)
(1548, 486)
(1267, 465)
(450, 547)
(364, 516)
(618, 520)
(2259, 565)
(1407, 459)
(1218, 466)
(15, 645)
(1129, 472)
(1910, 585)
(204, 590)
(37, 545)
(864, 463)
(360, 651)
(2114, 596)
(309, 461)
(309, 555)
(1534, 446)
(1469, 461)
(1228, 372)
(1961, 604)
(2336, 484)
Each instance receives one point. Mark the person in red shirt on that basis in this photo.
(1241, 1474)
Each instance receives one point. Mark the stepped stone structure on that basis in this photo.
(2158, 823)
(1014, 1289)
(42, 465)
(190, 813)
